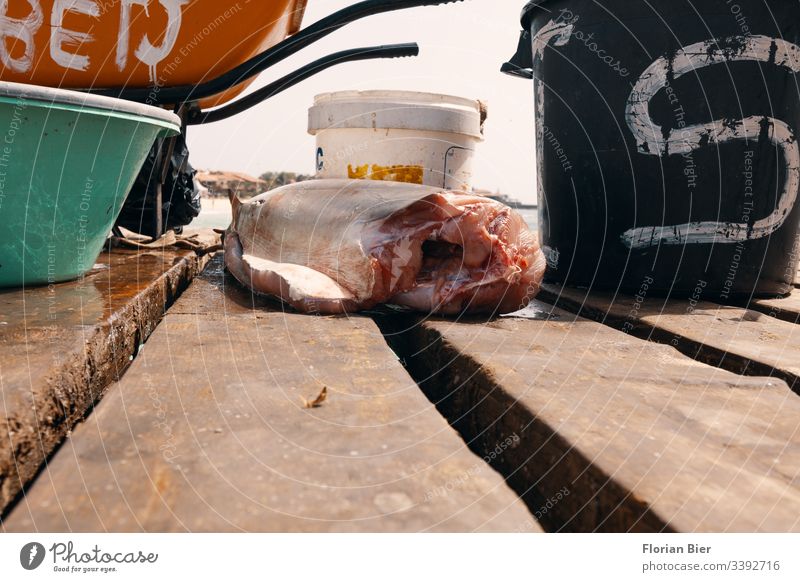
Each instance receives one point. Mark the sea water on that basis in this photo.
(531, 216)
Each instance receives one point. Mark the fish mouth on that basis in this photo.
(438, 249)
(478, 258)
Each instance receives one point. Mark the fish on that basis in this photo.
(342, 246)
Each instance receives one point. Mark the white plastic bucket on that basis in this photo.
(402, 136)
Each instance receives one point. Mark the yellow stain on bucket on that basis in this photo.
(407, 174)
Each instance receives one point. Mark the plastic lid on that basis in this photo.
(396, 110)
(51, 95)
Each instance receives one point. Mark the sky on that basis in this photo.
(462, 47)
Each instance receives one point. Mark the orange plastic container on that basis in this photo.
(138, 43)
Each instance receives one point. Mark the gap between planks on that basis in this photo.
(784, 308)
(641, 437)
(740, 340)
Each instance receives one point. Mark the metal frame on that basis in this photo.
(272, 56)
(185, 98)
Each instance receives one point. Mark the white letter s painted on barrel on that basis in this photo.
(650, 137)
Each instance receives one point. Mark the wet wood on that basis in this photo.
(741, 340)
(208, 431)
(61, 346)
(612, 433)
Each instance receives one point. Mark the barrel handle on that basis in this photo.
(521, 64)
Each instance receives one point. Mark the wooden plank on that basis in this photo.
(614, 433)
(62, 345)
(787, 308)
(740, 340)
(206, 432)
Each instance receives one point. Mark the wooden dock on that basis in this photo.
(61, 346)
(643, 437)
(207, 431)
(585, 412)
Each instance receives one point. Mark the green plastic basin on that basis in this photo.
(67, 162)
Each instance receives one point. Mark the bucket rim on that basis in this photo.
(421, 98)
(389, 109)
(53, 96)
(527, 12)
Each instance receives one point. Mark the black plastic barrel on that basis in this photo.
(667, 156)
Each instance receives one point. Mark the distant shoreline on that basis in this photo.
(513, 203)
(216, 213)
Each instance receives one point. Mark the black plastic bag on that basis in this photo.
(179, 195)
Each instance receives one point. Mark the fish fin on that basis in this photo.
(233, 256)
(301, 287)
(236, 204)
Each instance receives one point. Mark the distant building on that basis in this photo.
(220, 183)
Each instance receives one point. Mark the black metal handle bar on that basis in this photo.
(270, 57)
(392, 51)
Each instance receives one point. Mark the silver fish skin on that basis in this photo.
(341, 246)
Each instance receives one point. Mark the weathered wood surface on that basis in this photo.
(741, 340)
(797, 278)
(641, 437)
(206, 432)
(787, 308)
(62, 345)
